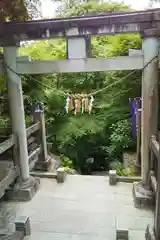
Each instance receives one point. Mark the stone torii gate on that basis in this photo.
(77, 31)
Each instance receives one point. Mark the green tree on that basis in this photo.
(19, 9)
(78, 137)
(90, 7)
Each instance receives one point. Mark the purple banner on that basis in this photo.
(135, 105)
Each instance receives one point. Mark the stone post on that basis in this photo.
(43, 159)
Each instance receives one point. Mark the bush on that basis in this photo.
(120, 139)
(67, 164)
(121, 136)
(120, 170)
(69, 170)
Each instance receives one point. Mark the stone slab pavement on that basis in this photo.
(83, 208)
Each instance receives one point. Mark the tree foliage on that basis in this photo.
(80, 8)
(106, 133)
(19, 9)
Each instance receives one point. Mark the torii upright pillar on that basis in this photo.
(27, 185)
(149, 122)
(142, 194)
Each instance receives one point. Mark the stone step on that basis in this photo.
(44, 174)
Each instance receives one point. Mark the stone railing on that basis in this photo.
(34, 147)
(37, 144)
(154, 177)
(8, 170)
(154, 158)
(7, 144)
(9, 149)
(12, 142)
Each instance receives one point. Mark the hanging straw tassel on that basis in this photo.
(77, 102)
(91, 104)
(76, 105)
(71, 105)
(83, 104)
(67, 104)
(86, 103)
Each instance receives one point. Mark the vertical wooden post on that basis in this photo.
(149, 92)
(17, 109)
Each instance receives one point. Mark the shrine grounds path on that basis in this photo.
(83, 208)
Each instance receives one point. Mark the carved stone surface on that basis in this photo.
(112, 177)
(149, 234)
(142, 196)
(24, 191)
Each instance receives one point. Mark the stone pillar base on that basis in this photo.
(23, 191)
(61, 175)
(142, 196)
(43, 165)
(149, 234)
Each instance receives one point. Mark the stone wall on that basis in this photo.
(129, 159)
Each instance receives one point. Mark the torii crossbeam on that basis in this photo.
(99, 24)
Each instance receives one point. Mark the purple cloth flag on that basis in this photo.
(135, 105)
